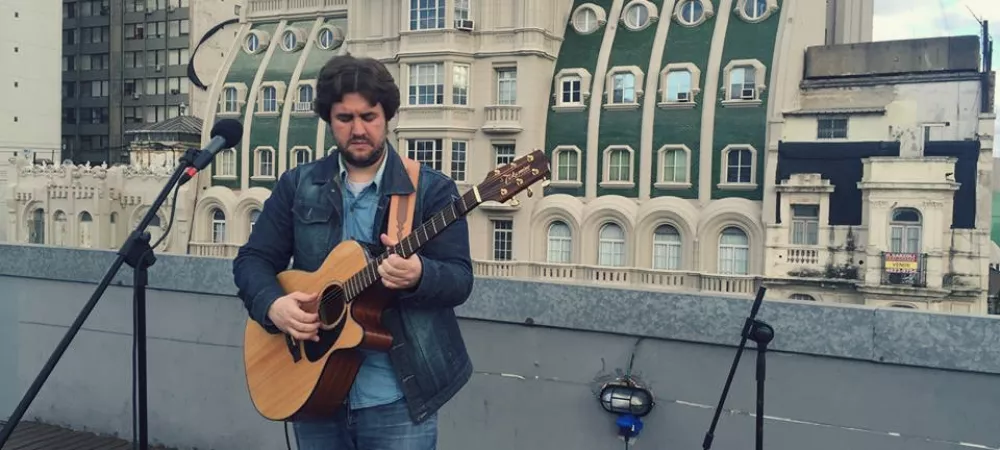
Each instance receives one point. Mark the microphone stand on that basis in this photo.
(762, 334)
(137, 253)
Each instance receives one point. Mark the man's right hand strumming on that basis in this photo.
(297, 315)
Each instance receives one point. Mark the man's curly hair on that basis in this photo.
(345, 74)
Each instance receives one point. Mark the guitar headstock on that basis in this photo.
(504, 182)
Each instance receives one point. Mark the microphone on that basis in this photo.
(226, 133)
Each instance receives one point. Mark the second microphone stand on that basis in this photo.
(762, 334)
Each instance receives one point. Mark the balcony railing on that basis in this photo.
(670, 280)
(904, 269)
(502, 119)
(673, 280)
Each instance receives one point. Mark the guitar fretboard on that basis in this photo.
(413, 242)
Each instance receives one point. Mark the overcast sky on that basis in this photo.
(904, 19)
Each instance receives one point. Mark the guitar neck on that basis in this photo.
(413, 242)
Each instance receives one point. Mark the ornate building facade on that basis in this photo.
(674, 129)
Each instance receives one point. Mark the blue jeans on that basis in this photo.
(385, 427)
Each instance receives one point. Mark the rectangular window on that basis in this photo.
(427, 14)
(503, 239)
(458, 151)
(504, 154)
(425, 151)
(507, 86)
(426, 84)
(460, 84)
(831, 128)
(805, 224)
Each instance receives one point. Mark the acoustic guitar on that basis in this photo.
(290, 379)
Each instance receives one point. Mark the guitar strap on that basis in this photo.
(401, 207)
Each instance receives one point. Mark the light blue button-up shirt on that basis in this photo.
(376, 382)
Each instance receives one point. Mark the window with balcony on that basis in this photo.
(611, 245)
(805, 225)
(507, 86)
(560, 243)
(905, 231)
(666, 248)
(427, 14)
(426, 84)
(734, 252)
(305, 98)
(425, 151)
(503, 239)
(218, 226)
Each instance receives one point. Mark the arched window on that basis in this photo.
(905, 231)
(803, 297)
(560, 243)
(218, 226)
(734, 252)
(36, 227)
(60, 229)
(612, 245)
(86, 230)
(666, 248)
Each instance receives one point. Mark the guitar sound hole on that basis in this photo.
(332, 307)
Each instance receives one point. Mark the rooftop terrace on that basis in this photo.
(838, 377)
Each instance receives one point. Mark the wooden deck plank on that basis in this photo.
(39, 436)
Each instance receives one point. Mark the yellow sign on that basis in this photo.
(901, 263)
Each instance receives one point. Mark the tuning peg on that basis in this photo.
(529, 193)
(546, 183)
(515, 202)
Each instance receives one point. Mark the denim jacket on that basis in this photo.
(301, 221)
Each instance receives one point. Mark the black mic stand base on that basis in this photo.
(137, 253)
(762, 334)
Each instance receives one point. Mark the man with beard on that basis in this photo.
(395, 397)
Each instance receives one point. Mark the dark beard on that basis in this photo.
(361, 163)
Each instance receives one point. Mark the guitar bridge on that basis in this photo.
(293, 348)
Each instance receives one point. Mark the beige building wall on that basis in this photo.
(31, 73)
(209, 58)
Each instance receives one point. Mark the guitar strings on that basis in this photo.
(330, 296)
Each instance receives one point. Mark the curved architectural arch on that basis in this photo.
(600, 211)
(673, 211)
(252, 199)
(215, 197)
(721, 214)
(559, 207)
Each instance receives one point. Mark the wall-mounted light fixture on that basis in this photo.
(630, 401)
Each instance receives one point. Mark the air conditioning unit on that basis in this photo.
(683, 96)
(747, 94)
(159, 67)
(466, 25)
(135, 95)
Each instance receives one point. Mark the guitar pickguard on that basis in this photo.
(315, 350)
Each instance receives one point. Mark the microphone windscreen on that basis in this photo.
(230, 129)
